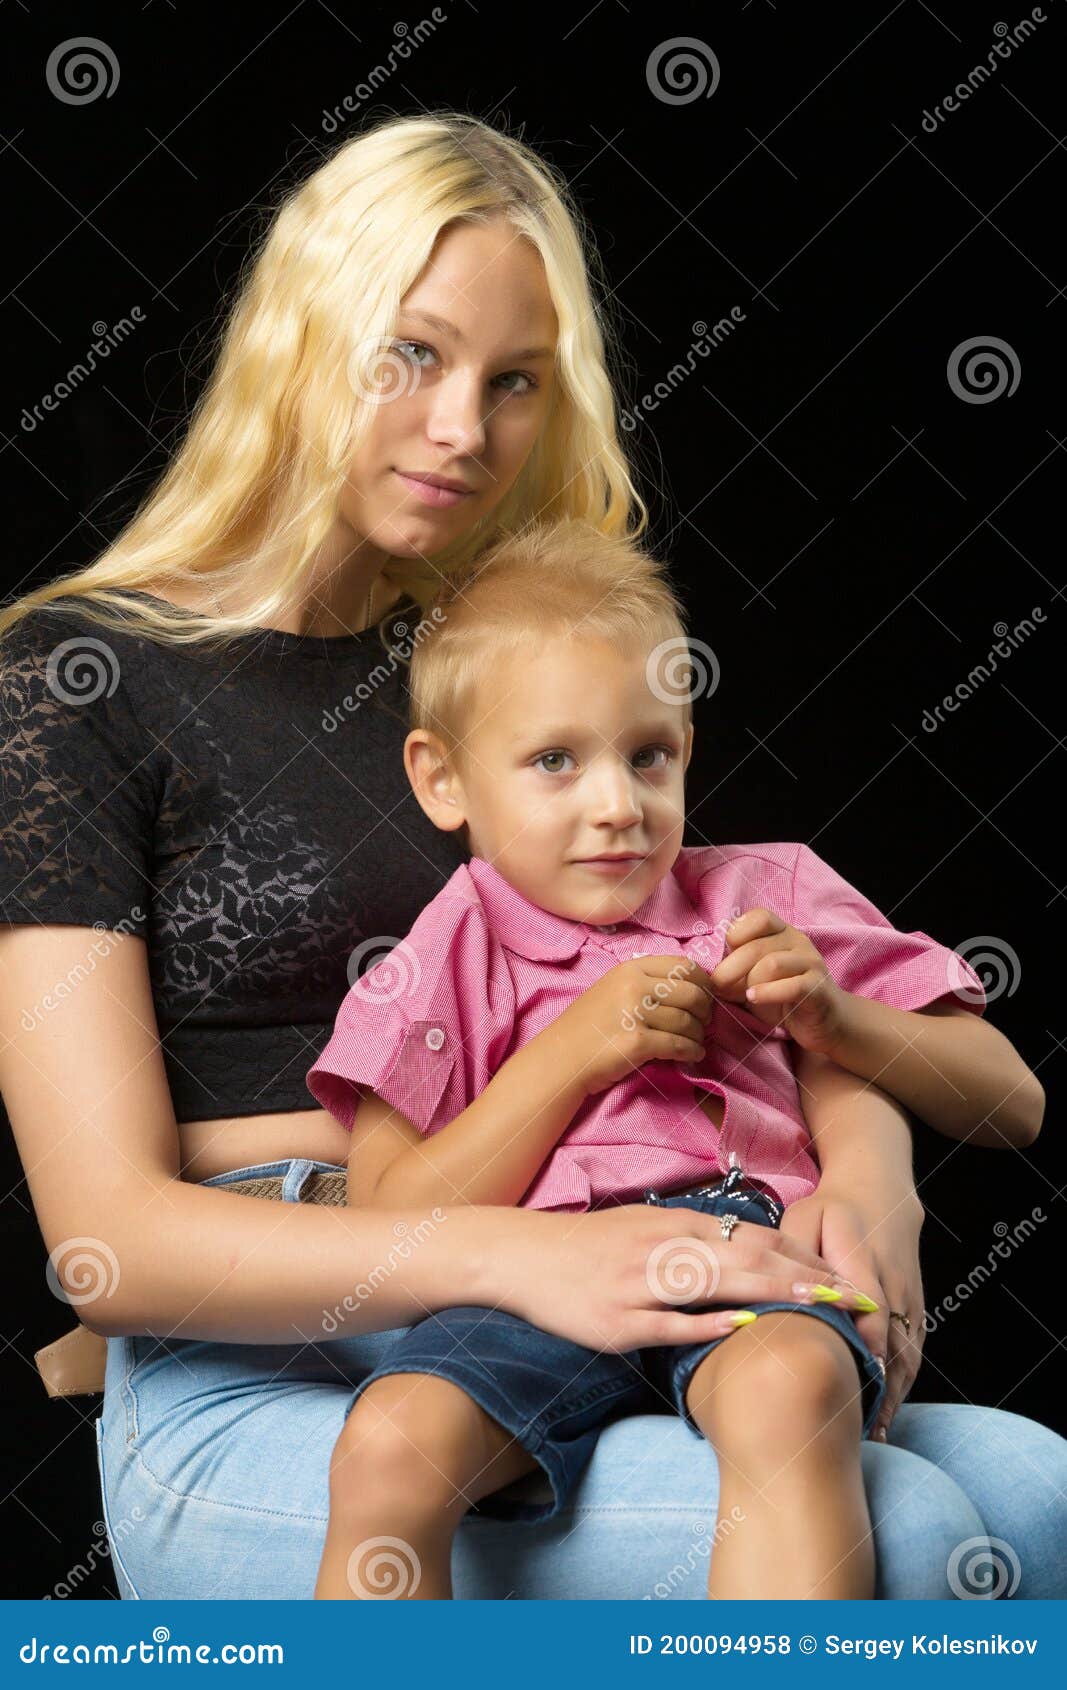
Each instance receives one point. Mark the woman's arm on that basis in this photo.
(87, 1095)
(865, 1216)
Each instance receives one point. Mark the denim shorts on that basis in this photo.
(555, 1397)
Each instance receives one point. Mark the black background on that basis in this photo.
(847, 530)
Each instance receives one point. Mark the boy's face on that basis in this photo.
(569, 755)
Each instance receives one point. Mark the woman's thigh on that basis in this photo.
(215, 1460)
(1014, 1471)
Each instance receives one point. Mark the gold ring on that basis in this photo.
(905, 1320)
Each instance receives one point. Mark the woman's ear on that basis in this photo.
(434, 781)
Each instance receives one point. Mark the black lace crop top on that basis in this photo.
(246, 813)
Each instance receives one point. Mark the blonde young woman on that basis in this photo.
(207, 833)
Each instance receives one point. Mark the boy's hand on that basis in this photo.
(776, 972)
(650, 1008)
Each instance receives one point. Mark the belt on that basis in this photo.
(322, 1186)
(73, 1366)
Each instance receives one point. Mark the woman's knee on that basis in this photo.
(788, 1381)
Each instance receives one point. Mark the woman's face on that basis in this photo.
(463, 394)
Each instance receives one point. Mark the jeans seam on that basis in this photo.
(112, 1540)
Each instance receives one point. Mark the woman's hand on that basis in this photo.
(621, 1278)
(879, 1253)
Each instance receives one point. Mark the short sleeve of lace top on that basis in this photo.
(79, 787)
(245, 812)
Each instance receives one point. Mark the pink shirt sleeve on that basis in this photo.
(866, 954)
(408, 1063)
(429, 1049)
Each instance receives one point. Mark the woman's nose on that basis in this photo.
(457, 419)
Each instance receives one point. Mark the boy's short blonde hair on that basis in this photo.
(559, 578)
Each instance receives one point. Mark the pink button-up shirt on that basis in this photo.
(483, 970)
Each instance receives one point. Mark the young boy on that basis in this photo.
(563, 1028)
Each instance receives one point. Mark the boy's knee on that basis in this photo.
(402, 1447)
(790, 1388)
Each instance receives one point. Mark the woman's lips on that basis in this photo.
(441, 497)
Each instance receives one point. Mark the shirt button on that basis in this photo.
(435, 1038)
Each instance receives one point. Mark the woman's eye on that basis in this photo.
(518, 375)
(408, 349)
(546, 754)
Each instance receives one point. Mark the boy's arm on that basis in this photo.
(862, 1136)
(488, 1154)
(956, 1072)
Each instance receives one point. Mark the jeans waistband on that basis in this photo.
(735, 1183)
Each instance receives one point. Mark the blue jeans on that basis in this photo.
(556, 1397)
(214, 1465)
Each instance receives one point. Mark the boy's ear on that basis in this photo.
(433, 779)
(688, 747)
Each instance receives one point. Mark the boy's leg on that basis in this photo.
(779, 1401)
(415, 1453)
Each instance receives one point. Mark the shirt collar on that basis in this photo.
(539, 934)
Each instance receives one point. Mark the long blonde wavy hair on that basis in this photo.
(254, 487)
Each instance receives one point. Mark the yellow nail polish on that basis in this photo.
(745, 1318)
(864, 1303)
(825, 1294)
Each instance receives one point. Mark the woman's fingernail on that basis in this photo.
(820, 1293)
(745, 1318)
(865, 1303)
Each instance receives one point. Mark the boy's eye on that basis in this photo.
(665, 750)
(546, 754)
(518, 375)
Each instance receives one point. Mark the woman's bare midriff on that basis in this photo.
(217, 1147)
